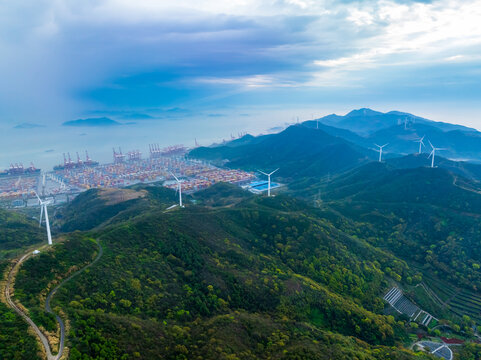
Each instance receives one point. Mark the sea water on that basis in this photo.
(45, 145)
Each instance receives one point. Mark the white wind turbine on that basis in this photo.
(43, 208)
(268, 180)
(433, 153)
(180, 189)
(420, 141)
(380, 151)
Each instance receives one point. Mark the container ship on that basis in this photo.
(18, 169)
(68, 163)
(157, 152)
(174, 150)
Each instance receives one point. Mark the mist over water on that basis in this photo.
(44, 146)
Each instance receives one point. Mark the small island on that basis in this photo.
(92, 122)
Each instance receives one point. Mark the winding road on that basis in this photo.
(41, 336)
(10, 303)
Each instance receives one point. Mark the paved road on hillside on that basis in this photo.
(42, 337)
(10, 302)
(52, 293)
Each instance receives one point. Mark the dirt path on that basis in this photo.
(455, 183)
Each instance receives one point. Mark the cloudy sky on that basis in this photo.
(64, 59)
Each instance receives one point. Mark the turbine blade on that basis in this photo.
(385, 145)
(273, 171)
(174, 176)
(377, 145)
(430, 144)
(262, 172)
(432, 152)
(40, 201)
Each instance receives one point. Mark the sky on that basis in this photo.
(152, 60)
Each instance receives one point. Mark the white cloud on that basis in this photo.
(360, 17)
(256, 81)
(61, 47)
(414, 33)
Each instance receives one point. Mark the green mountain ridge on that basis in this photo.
(297, 151)
(366, 121)
(17, 233)
(257, 279)
(422, 214)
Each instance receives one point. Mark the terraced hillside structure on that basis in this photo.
(403, 305)
(459, 301)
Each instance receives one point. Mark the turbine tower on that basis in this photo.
(43, 183)
(180, 189)
(433, 153)
(380, 151)
(43, 208)
(268, 180)
(420, 141)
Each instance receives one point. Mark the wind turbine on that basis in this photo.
(380, 151)
(420, 141)
(268, 180)
(180, 189)
(433, 153)
(43, 208)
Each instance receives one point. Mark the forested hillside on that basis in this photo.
(234, 275)
(16, 342)
(97, 206)
(17, 232)
(297, 151)
(266, 278)
(425, 215)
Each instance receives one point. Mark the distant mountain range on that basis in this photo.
(366, 121)
(92, 122)
(304, 151)
(366, 127)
